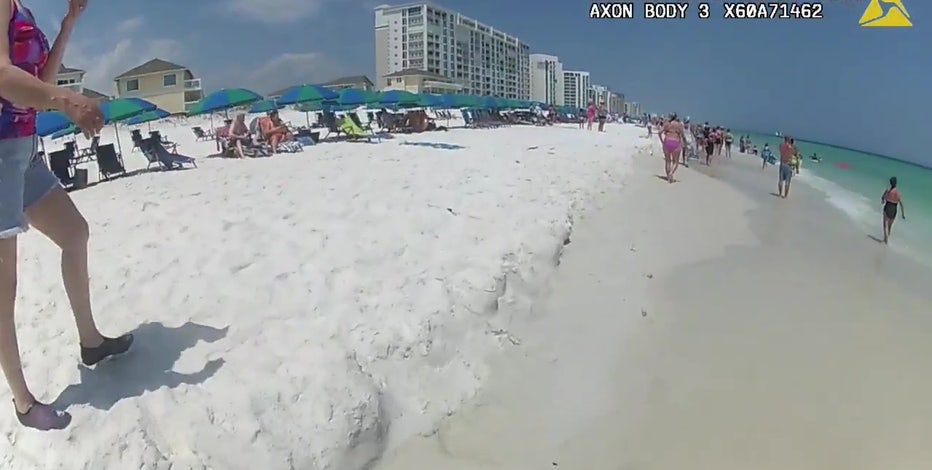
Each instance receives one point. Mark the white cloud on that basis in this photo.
(129, 25)
(275, 11)
(122, 55)
(293, 69)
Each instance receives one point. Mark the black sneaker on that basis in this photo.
(110, 347)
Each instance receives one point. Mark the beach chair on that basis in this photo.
(60, 164)
(158, 155)
(366, 128)
(109, 163)
(165, 142)
(137, 137)
(353, 131)
(329, 120)
(87, 154)
(200, 135)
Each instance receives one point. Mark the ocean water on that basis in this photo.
(856, 190)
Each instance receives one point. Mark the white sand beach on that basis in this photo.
(708, 325)
(302, 311)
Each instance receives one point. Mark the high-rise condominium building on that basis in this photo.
(576, 88)
(424, 36)
(547, 79)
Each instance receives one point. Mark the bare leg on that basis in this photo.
(9, 347)
(786, 189)
(239, 149)
(58, 219)
(674, 165)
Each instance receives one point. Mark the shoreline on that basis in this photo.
(743, 361)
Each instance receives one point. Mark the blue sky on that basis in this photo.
(827, 80)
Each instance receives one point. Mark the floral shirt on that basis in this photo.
(29, 50)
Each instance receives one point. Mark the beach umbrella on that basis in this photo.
(50, 122)
(264, 106)
(307, 93)
(430, 101)
(70, 130)
(148, 116)
(467, 101)
(356, 97)
(399, 98)
(121, 109)
(224, 99)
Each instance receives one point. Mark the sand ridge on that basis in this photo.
(301, 311)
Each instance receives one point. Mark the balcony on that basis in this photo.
(76, 86)
(194, 84)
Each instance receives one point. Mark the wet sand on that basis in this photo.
(709, 325)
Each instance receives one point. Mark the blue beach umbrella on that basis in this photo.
(356, 97)
(264, 106)
(225, 99)
(50, 122)
(70, 130)
(148, 116)
(399, 98)
(306, 94)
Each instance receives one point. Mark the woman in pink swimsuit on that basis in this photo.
(671, 137)
(590, 116)
(31, 195)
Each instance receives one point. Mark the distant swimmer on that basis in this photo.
(671, 137)
(815, 158)
(892, 199)
(787, 152)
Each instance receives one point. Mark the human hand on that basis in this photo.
(83, 112)
(75, 8)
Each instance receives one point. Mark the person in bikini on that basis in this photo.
(892, 200)
(787, 151)
(671, 137)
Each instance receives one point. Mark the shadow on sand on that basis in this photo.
(147, 367)
(435, 145)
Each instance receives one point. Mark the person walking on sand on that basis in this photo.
(602, 116)
(590, 115)
(671, 137)
(892, 199)
(787, 150)
(31, 195)
(729, 141)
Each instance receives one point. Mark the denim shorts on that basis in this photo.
(24, 180)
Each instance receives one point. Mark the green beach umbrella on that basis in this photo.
(124, 108)
(466, 101)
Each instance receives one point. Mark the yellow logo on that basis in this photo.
(896, 15)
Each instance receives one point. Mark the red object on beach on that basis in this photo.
(843, 166)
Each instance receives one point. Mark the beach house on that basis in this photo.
(74, 79)
(420, 81)
(169, 86)
(359, 82)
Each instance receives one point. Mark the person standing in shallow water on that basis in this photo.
(787, 152)
(31, 195)
(892, 200)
